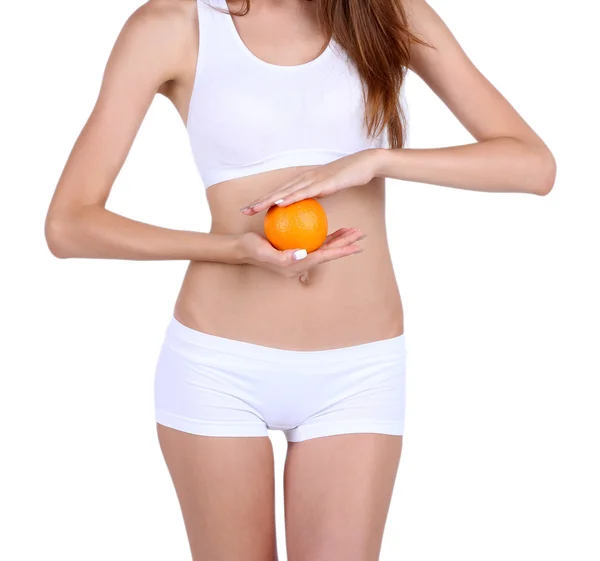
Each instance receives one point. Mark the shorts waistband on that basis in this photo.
(380, 348)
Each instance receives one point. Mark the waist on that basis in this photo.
(342, 304)
(348, 301)
(191, 342)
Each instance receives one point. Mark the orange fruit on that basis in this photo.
(301, 225)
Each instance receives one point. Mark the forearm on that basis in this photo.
(496, 165)
(94, 232)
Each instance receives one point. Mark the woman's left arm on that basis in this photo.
(508, 156)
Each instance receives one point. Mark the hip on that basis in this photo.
(213, 386)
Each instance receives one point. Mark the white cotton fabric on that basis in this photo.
(248, 116)
(214, 386)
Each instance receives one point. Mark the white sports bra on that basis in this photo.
(248, 116)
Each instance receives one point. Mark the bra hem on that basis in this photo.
(290, 158)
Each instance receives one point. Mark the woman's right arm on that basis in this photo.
(151, 50)
(148, 52)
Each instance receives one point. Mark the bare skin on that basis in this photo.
(337, 488)
(337, 496)
(225, 487)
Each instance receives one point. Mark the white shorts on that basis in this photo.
(213, 386)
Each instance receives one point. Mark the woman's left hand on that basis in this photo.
(318, 181)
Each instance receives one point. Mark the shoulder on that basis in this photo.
(163, 32)
(163, 19)
(415, 11)
(413, 5)
(165, 12)
(423, 19)
(419, 20)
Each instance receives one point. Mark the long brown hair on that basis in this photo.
(376, 36)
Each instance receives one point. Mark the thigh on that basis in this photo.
(337, 495)
(225, 486)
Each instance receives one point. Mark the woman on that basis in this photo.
(313, 345)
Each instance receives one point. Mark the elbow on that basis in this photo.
(59, 237)
(545, 172)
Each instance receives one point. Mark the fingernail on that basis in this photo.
(362, 237)
(279, 202)
(300, 254)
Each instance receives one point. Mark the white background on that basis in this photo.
(500, 292)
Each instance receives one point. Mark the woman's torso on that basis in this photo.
(345, 302)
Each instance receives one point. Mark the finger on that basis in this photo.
(324, 254)
(249, 208)
(284, 189)
(298, 178)
(327, 253)
(339, 232)
(332, 253)
(268, 254)
(313, 190)
(274, 194)
(275, 197)
(290, 256)
(346, 239)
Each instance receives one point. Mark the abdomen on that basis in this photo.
(345, 302)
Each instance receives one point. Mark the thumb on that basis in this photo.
(292, 255)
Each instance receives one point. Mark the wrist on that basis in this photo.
(234, 249)
(218, 248)
(379, 161)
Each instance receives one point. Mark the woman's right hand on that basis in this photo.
(295, 263)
